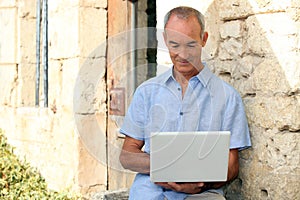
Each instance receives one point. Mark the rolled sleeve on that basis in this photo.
(235, 121)
(133, 124)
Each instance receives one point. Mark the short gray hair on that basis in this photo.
(185, 12)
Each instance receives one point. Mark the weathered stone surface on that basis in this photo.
(274, 38)
(8, 84)
(26, 81)
(89, 86)
(91, 177)
(7, 3)
(91, 34)
(269, 78)
(231, 29)
(112, 195)
(231, 49)
(8, 38)
(239, 9)
(45, 140)
(279, 112)
(91, 171)
(93, 3)
(27, 41)
(270, 169)
(27, 9)
(67, 40)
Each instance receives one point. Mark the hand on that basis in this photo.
(189, 188)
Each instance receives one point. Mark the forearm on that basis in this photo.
(233, 170)
(135, 161)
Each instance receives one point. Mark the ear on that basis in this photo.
(204, 38)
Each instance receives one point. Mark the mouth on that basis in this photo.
(183, 62)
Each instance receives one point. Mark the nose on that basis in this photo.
(183, 53)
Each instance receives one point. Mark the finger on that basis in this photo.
(164, 185)
(201, 184)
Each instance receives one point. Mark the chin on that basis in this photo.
(185, 68)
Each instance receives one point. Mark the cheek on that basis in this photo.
(172, 54)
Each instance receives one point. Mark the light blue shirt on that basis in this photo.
(209, 104)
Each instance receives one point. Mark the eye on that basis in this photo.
(191, 45)
(174, 46)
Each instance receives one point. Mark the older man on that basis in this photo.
(188, 97)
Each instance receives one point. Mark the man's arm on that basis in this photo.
(133, 158)
(233, 170)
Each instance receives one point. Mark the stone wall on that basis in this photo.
(254, 45)
(48, 137)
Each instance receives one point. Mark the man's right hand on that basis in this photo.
(188, 188)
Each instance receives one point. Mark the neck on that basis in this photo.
(183, 78)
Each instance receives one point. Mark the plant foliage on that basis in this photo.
(18, 180)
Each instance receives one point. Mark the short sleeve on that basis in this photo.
(133, 124)
(235, 121)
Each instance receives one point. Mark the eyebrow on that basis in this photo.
(176, 43)
(192, 42)
(173, 42)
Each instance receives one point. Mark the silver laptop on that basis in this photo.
(189, 156)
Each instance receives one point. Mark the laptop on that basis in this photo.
(189, 156)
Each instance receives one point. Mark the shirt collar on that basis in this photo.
(204, 76)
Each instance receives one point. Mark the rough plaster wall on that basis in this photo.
(254, 45)
(258, 52)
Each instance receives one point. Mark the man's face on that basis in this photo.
(183, 39)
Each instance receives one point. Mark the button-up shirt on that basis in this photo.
(158, 105)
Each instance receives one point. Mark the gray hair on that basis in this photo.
(184, 12)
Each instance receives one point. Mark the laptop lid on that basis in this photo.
(189, 156)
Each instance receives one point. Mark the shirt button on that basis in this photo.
(178, 89)
(181, 113)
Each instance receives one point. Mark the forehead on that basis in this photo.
(187, 29)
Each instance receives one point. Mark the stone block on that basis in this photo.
(7, 3)
(90, 87)
(8, 120)
(27, 41)
(62, 6)
(8, 84)
(55, 76)
(93, 3)
(63, 42)
(27, 9)
(26, 80)
(280, 112)
(92, 169)
(92, 30)
(210, 51)
(231, 29)
(112, 195)
(231, 49)
(274, 39)
(240, 9)
(269, 78)
(8, 37)
(70, 68)
(235, 10)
